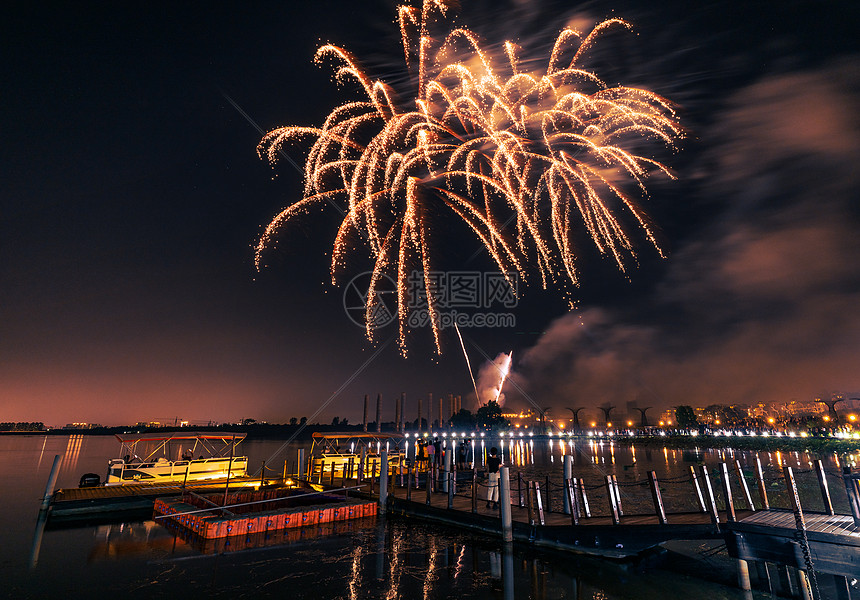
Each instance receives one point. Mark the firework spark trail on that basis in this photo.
(505, 369)
(468, 364)
(491, 378)
(524, 159)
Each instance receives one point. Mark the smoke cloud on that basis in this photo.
(491, 379)
(762, 303)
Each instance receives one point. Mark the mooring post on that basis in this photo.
(586, 510)
(566, 477)
(539, 503)
(822, 484)
(743, 575)
(744, 486)
(446, 478)
(852, 487)
(762, 488)
(520, 487)
(409, 481)
(331, 479)
(453, 471)
(52, 481)
(617, 495)
(698, 488)
(474, 491)
(610, 492)
(803, 584)
(709, 492)
(383, 478)
(570, 500)
(429, 484)
(727, 490)
(529, 503)
(505, 503)
(300, 464)
(657, 497)
(262, 474)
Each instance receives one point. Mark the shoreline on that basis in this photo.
(764, 444)
(680, 442)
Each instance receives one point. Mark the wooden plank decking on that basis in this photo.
(107, 501)
(815, 522)
(463, 504)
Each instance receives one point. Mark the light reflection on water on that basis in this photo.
(376, 559)
(363, 560)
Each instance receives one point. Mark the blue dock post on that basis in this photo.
(568, 475)
(383, 479)
(505, 502)
(852, 486)
(52, 481)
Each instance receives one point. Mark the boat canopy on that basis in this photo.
(348, 442)
(176, 445)
(358, 435)
(168, 436)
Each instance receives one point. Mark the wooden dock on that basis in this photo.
(597, 535)
(111, 502)
(812, 551)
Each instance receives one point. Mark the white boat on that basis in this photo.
(170, 457)
(342, 453)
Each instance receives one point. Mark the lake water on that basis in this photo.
(380, 558)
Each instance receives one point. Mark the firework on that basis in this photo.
(491, 379)
(525, 158)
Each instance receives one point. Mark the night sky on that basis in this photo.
(132, 197)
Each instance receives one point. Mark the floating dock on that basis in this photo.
(110, 502)
(262, 511)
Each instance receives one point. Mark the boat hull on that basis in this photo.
(163, 471)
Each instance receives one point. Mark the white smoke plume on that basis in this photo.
(491, 379)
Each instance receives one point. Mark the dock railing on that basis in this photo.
(852, 486)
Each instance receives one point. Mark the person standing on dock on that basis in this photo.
(461, 455)
(431, 452)
(493, 464)
(422, 455)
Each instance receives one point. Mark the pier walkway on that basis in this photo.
(793, 550)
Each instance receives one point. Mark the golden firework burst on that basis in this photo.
(525, 159)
